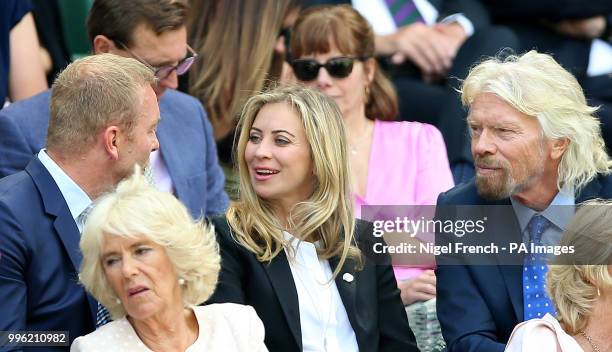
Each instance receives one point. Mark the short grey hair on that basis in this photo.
(136, 208)
(92, 93)
(536, 85)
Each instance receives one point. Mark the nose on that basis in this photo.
(128, 266)
(483, 144)
(324, 80)
(155, 145)
(170, 81)
(262, 149)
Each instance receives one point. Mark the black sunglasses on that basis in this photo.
(337, 67)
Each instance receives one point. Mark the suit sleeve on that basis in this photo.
(395, 332)
(548, 9)
(14, 150)
(473, 10)
(217, 200)
(13, 266)
(229, 288)
(466, 322)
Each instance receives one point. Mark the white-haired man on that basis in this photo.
(538, 150)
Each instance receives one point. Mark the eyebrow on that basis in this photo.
(274, 131)
(139, 243)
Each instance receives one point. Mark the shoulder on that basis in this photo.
(408, 129)
(177, 101)
(464, 193)
(541, 335)
(28, 110)
(232, 312)
(107, 338)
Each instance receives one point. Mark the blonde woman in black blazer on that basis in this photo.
(293, 166)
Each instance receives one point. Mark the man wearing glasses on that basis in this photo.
(154, 33)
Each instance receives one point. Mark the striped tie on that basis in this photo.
(102, 316)
(404, 12)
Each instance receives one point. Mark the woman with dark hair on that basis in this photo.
(392, 162)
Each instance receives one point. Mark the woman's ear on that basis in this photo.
(370, 69)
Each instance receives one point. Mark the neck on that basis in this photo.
(540, 194)
(170, 330)
(599, 326)
(356, 124)
(84, 170)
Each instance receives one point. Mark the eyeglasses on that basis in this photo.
(337, 67)
(162, 72)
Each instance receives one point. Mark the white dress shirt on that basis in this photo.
(76, 199)
(323, 318)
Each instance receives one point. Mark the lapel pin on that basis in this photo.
(348, 277)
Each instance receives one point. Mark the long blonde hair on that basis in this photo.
(327, 215)
(235, 41)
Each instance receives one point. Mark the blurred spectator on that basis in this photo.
(579, 36)
(580, 286)
(103, 119)
(21, 70)
(153, 32)
(289, 246)
(50, 29)
(426, 45)
(240, 46)
(150, 264)
(392, 163)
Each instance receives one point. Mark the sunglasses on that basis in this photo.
(164, 71)
(337, 67)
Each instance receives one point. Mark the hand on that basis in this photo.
(421, 288)
(426, 47)
(588, 28)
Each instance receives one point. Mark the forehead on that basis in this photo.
(114, 242)
(168, 46)
(278, 116)
(489, 109)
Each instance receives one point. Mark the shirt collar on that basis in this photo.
(559, 212)
(74, 195)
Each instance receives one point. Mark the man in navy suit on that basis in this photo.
(154, 33)
(104, 114)
(537, 150)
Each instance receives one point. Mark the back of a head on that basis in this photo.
(117, 19)
(235, 41)
(92, 93)
(320, 28)
(536, 85)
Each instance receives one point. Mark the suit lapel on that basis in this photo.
(279, 272)
(64, 225)
(346, 282)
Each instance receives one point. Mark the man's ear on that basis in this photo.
(102, 44)
(111, 140)
(559, 146)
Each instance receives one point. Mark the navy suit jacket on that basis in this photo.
(478, 306)
(372, 300)
(185, 136)
(39, 258)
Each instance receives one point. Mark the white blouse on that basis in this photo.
(323, 319)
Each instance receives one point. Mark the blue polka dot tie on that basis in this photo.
(535, 300)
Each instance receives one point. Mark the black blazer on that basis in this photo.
(372, 300)
(479, 305)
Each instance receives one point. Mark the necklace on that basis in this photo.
(354, 147)
(590, 340)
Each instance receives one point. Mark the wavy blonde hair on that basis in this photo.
(536, 85)
(572, 281)
(327, 215)
(136, 208)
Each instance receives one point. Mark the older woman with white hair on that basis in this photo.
(580, 285)
(149, 264)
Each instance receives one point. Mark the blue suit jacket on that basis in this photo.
(39, 258)
(479, 305)
(185, 137)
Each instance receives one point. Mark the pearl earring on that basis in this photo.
(117, 300)
(598, 293)
(181, 281)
